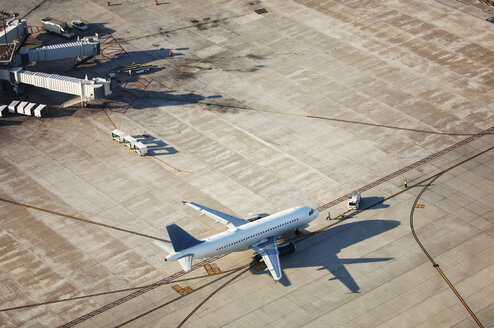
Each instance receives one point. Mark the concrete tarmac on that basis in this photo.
(254, 113)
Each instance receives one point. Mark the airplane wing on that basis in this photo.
(229, 220)
(268, 249)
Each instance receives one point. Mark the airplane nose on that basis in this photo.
(316, 213)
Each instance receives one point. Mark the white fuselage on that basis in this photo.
(244, 236)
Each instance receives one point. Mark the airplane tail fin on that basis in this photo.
(181, 239)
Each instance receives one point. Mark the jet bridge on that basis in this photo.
(83, 48)
(97, 88)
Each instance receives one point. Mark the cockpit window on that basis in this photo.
(311, 211)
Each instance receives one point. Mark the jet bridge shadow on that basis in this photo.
(325, 246)
(162, 98)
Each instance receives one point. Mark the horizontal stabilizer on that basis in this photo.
(180, 238)
(166, 246)
(186, 262)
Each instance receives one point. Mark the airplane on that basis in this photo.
(258, 234)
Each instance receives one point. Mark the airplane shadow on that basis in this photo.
(326, 245)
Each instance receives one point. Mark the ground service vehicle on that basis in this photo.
(353, 201)
(58, 27)
(79, 25)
